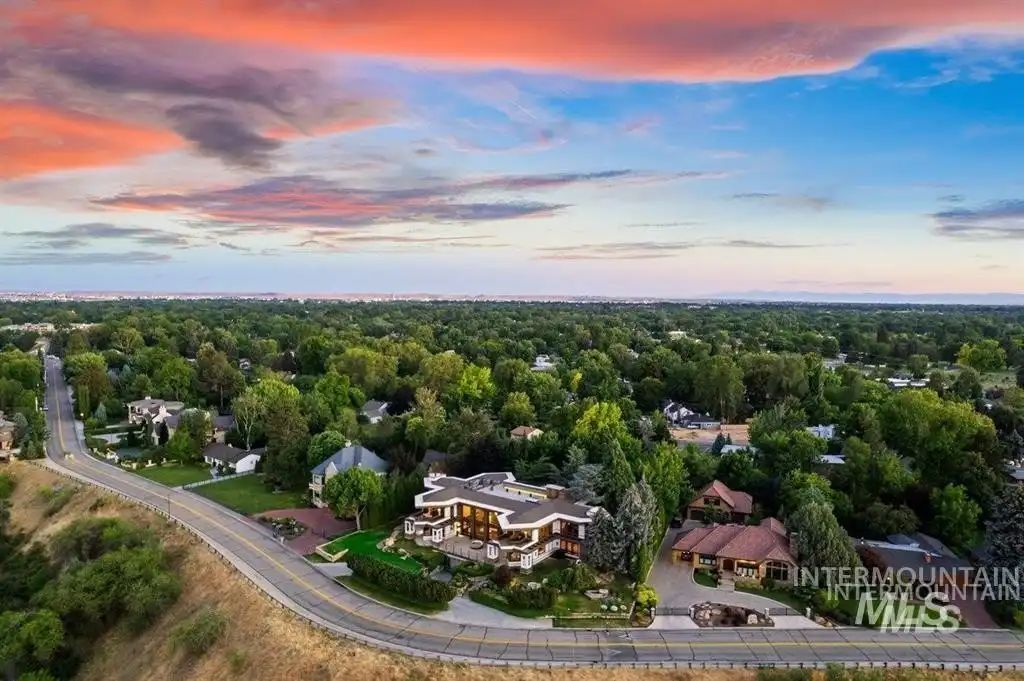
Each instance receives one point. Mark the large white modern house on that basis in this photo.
(494, 518)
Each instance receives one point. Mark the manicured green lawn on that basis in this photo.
(174, 475)
(375, 592)
(364, 543)
(248, 495)
(705, 578)
(784, 596)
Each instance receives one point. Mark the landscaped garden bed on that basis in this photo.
(565, 592)
(719, 615)
(289, 528)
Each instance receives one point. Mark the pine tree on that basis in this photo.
(635, 520)
(618, 476)
(586, 484)
(1005, 530)
(716, 446)
(603, 542)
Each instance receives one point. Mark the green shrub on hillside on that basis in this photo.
(201, 632)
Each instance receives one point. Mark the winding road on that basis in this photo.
(294, 584)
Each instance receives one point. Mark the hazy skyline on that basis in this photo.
(599, 148)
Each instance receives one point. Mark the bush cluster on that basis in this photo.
(535, 599)
(401, 582)
(645, 596)
(578, 577)
(198, 634)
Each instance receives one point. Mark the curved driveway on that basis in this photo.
(289, 580)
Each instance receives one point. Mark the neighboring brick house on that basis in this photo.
(750, 553)
(736, 506)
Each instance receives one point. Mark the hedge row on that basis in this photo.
(392, 578)
(534, 599)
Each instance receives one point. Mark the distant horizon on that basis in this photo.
(995, 299)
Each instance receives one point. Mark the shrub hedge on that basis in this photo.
(395, 579)
(535, 599)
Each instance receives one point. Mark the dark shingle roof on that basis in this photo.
(352, 456)
(227, 453)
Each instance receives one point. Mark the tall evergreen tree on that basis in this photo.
(635, 521)
(1005, 530)
(603, 542)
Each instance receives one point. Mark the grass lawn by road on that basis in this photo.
(364, 543)
(248, 495)
(174, 474)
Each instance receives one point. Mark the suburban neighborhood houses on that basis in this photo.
(588, 490)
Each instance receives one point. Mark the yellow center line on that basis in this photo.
(403, 631)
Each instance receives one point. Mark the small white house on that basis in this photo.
(232, 458)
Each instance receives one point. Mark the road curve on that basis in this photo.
(290, 581)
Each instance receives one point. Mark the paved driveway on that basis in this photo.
(676, 588)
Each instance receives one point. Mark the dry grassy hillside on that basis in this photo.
(262, 643)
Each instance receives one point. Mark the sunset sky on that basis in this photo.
(653, 148)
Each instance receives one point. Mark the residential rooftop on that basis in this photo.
(518, 503)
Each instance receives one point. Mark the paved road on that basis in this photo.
(294, 584)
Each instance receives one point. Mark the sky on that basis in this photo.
(582, 147)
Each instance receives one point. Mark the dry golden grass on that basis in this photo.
(739, 432)
(262, 642)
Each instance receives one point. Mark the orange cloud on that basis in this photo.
(34, 139)
(677, 39)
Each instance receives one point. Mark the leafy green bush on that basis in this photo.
(89, 538)
(578, 577)
(502, 576)
(645, 596)
(237, 661)
(198, 634)
(398, 580)
(534, 599)
(471, 568)
(6, 485)
(132, 583)
(55, 497)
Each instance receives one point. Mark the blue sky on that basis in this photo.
(152, 167)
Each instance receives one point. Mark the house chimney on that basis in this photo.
(554, 491)
(927, 557)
